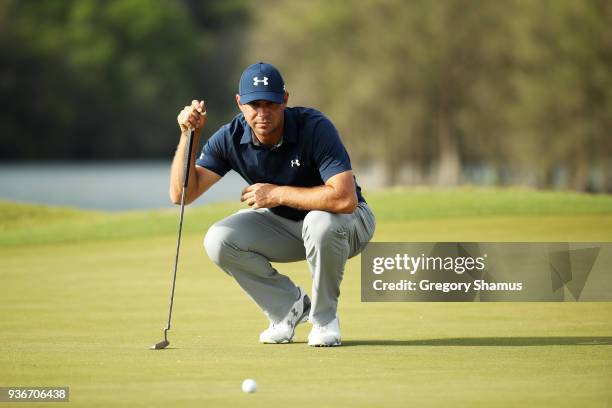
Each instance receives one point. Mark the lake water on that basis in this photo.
(102, 185)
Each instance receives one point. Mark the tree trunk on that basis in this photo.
(391, 169)
(449, 166)
(605, 184)
(580, 176)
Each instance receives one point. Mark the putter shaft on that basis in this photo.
(164, 343)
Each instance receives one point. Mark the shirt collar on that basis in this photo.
(256, 141)
(289, 132)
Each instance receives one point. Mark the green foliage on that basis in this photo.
(432, 86)
(428, 89)
(564, 110)
(92, 78)
(417, 81)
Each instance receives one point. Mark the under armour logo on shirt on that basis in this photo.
(256, 81)
(295, 162)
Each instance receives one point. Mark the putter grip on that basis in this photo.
(188, 158)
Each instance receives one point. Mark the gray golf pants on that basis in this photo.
(245, 243)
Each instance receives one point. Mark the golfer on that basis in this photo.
(304, 203)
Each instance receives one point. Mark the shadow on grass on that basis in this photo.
(488, 341)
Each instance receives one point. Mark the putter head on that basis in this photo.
(161, 345)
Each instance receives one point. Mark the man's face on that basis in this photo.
(265, 118)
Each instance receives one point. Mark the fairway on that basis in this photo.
(84, 294)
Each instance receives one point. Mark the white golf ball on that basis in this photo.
(249, 385)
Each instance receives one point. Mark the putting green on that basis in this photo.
(84, 295)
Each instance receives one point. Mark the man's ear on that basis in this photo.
(285, 98)
(238, 100)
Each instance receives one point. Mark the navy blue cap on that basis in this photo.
(261, 81)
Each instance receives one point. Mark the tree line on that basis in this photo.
(516, 91)
(436, 92)
(93, 79)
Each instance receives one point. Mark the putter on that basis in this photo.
(165, 343)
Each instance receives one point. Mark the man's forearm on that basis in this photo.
(177, 169)
(338, 195)
(324, 198)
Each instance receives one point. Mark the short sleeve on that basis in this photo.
(330, 155)
(214, 154)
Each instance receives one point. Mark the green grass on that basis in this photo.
(83, 294)
(33, 225)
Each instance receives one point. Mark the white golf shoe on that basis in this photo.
(325, 336)
(283, 331)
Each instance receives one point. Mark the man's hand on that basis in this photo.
(261, 195)
(192, 116)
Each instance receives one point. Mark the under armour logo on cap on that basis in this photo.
(295, 162)
(257, 81)
(261, 81)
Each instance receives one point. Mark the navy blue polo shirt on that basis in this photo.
(310, 153)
